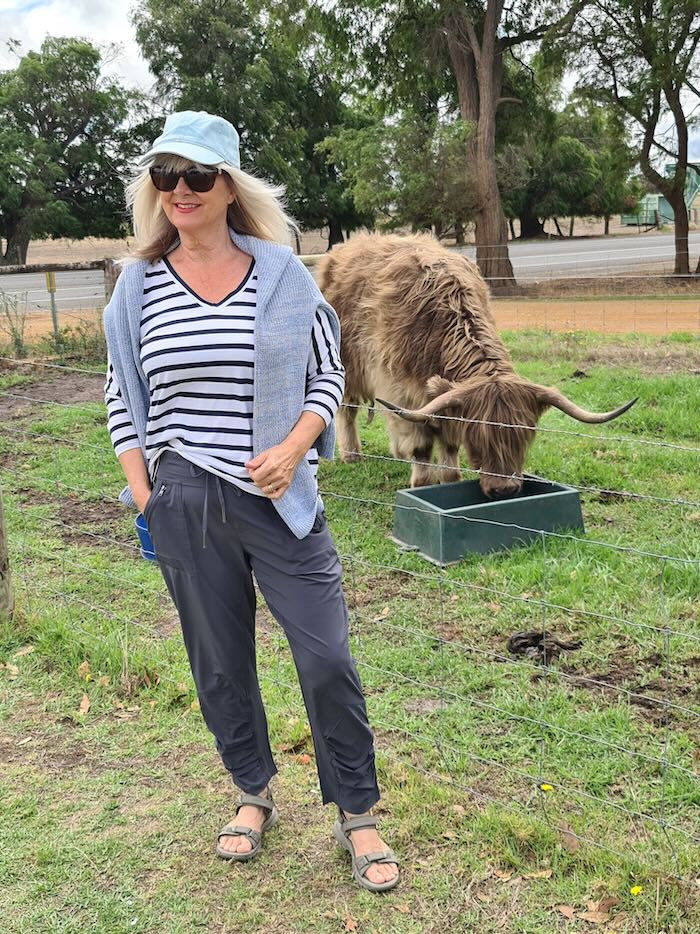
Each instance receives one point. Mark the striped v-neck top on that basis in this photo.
(198, 359)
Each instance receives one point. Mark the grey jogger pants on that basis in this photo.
(209, 536)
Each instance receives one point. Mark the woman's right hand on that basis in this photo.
(141, 498)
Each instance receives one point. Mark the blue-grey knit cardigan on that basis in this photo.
(287, 301)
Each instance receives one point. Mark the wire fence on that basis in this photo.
(583, 271)
(603, 760)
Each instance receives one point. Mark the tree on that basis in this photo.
(561, 177)
(63, 145)
(603, 132)
(410, 43)
(642, 57)
(574, 163)
(407, 171)
(260, 68)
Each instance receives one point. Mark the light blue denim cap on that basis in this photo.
(199, 136)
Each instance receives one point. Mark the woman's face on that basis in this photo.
(194, 212)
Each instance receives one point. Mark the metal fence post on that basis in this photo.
(6, 598)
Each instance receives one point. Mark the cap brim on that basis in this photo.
(200, 154)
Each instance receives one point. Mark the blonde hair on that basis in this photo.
(259, 209)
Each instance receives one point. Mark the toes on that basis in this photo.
(236, 844)
(380, 874)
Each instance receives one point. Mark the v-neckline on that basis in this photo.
(199, 297)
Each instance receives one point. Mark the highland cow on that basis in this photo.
(417, 329)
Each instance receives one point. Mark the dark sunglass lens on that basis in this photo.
(200, 181)
(162, 179)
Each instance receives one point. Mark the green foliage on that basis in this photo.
(260, 67)
(64, 143)
(642, 59)
(13, 318)
(408, 171)
(603, 131)
(573, 162)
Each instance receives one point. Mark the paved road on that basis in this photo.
(543, 259)
(547, 259)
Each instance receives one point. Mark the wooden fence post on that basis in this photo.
(112, 271)
(6, 599)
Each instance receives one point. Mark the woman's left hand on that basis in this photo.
(272, 470)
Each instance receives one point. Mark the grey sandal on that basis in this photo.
(255, 836)
(360, 864)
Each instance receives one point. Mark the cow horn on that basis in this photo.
(554, 397)
(434, 407)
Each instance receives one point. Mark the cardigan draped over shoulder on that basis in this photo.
(288, 298)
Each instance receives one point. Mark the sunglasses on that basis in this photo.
(195, 179)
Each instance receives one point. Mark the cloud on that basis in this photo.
(100, 21)
(694, 148)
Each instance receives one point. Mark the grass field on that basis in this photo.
(521, 797)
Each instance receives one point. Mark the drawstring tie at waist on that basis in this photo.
(220, 493)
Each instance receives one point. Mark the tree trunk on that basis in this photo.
(6, 599)
(459, 232)
(530, 225)
(17, 245)
(18, 227)
(607, 225)
(335, 234)
(556, 224)
(571, 226)
(478, 71)
(672, 189)
(511, 227)
(680, 233)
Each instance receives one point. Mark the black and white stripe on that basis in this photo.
(198, 358)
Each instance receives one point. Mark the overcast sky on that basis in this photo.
(100, 21)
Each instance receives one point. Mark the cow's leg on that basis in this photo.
(449, 458)
(421, 469)
(348, 437)
(412, 442)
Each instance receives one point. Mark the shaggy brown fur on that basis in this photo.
(416, 323)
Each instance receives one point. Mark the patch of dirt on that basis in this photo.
(648, 693)
(422, 705)
(164, 628)
(376, 587)
(65, 388)
(636, 316)
(84, 522)
(101, 518)
(652, 360)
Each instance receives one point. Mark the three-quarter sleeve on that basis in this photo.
(325, 375)
(121, 430)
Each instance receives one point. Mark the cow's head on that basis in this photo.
(498, 416)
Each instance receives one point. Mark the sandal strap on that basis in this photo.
(240, 831)
(364, 862)
(357, 823)
(266, 803)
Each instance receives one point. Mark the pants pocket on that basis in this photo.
(166, 523)
(319, 523)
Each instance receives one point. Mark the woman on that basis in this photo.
(223, 381)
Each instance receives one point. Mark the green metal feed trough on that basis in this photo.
(447, 521)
